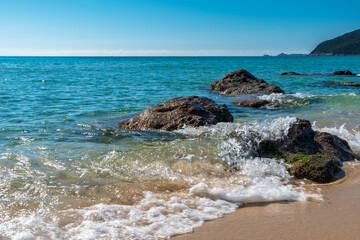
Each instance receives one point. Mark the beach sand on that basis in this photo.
(337, 216)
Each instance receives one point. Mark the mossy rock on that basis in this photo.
(319, 167)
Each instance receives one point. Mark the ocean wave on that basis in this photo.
(287, 100)
(281, 100)
(347, 94)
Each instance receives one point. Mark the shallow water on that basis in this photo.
(65, 170)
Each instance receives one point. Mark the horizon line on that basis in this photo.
(143, 53)
(115, 56)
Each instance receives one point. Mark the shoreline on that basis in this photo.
(335, 217)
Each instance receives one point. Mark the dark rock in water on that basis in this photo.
(241, 81)
(302, 140)
(346, 72)
(351, 84)
(241, 76)
(290, 73)
(252, 103)
(299, 140)
(334, 146)
(318, 167)
(337, 73)
(177, 112)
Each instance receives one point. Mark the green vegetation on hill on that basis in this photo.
(347, 44)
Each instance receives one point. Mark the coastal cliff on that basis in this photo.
(347, 44)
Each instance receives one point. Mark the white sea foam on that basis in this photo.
(285, 100)
(161, 215)
(352, 137)
(153, 218)
(246, 137)
(347, 94)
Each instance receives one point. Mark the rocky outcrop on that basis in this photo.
(351, 84)
(252, 103)
(177, 112)
(241, 81)
(317, 156)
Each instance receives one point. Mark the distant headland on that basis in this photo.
(345, 45)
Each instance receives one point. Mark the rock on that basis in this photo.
(290, 73)
(323, 152)
(299, 140)
(241, 76)
(346, 72)
(352, 84)
(241, 81)
(319, 168)
(177, 112)
(334, 146)
(252, 103)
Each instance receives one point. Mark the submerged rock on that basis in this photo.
(177, 112)
(252, 103)
(290, 73)
(324, 152)
(241, 81)
(346, 72)
(352, 84)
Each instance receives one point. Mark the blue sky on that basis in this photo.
(168, 27)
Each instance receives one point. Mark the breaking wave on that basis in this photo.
(281, 100)
(217, 168)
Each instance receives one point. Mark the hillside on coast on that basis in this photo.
(347, 44)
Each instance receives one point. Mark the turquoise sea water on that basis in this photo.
(65, 168)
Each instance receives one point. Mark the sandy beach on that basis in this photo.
(337, 216)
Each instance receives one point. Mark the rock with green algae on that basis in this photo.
(320, 167)
(317, 156)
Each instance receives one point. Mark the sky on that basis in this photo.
(171, 28)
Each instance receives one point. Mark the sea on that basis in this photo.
(68, 172)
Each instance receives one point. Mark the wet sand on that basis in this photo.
(337, 216)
